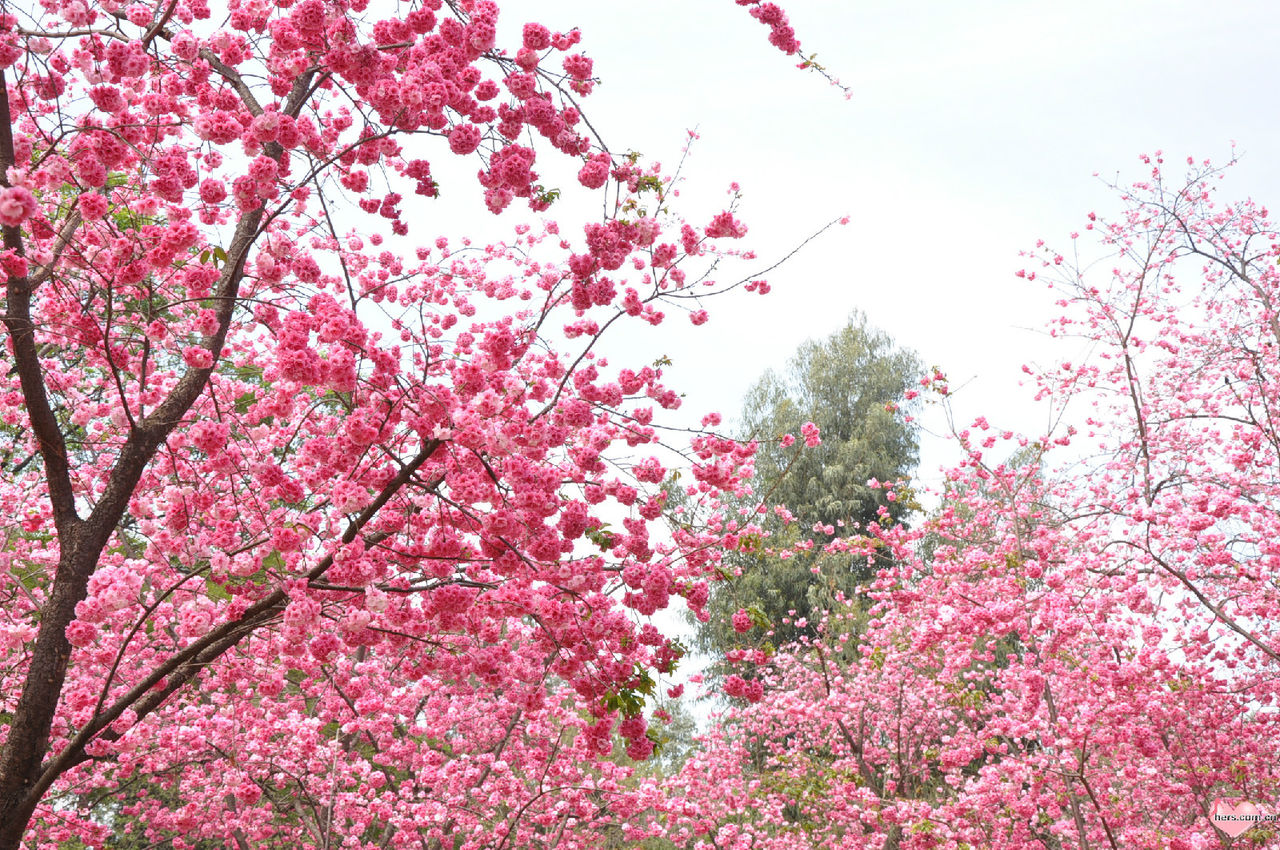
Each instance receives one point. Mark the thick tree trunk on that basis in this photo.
(25, 774)
(28, 739)
(23, 755)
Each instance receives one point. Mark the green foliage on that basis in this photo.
(547, 196)
(851, 385)
(630, 698)
(602, 537)
(216, 254)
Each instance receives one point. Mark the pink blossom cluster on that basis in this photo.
(17, 204)
(329, 536)
(735, 686)
(1067, 630)
(781, 35)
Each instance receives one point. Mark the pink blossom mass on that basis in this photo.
(323, 527)
(314, 539)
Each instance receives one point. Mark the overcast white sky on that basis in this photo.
(974, 129)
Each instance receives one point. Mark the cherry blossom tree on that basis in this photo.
(1078, 648)
(305, 507)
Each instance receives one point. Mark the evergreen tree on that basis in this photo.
(851, 385)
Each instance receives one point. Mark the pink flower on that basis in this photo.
(13, 265)
(9, 53)
(741, 621)
(197, 357)
(810, 433)
(17, 204)
(93, 206)
(263, 169)
(464, 139)
(81, 633)
(724, 225)
(497, 199)
(578, 66)
(91, 171)
(375, 600)
(536, 37)
(523, 86)
(107, 98)
(595, 173)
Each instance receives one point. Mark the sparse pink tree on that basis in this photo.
(1078, 648)
(305, 508)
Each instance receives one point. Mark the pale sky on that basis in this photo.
(973, 129)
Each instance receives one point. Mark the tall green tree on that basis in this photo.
(852, 385)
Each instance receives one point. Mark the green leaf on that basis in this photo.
(215, 591)
(31, 575)
(600, 536)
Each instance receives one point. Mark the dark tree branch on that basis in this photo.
(182, 667)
